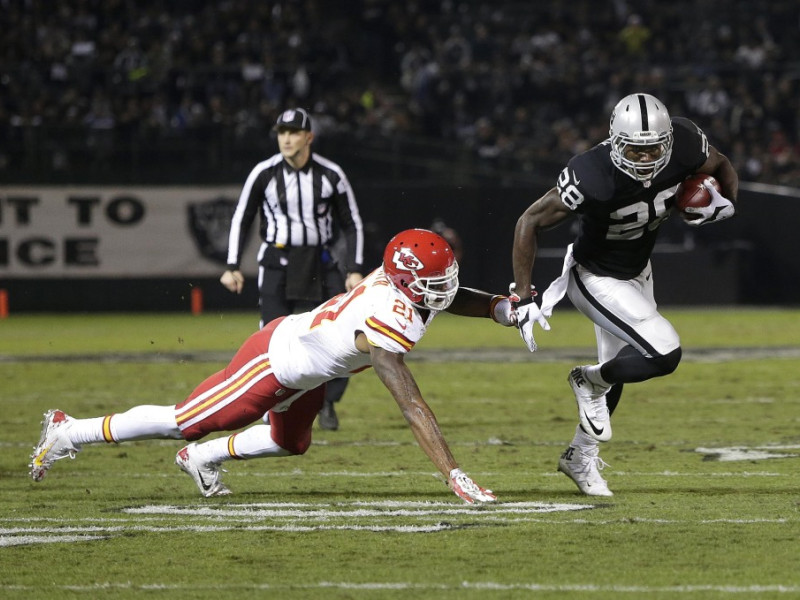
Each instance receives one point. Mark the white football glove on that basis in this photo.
(718, 209)
(527, 313)
(466, 489)
(502, 312)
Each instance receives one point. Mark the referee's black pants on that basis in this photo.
(273, 304)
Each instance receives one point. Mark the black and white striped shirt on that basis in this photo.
(298, 208)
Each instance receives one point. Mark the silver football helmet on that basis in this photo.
(640, 123)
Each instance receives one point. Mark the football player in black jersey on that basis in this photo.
(621, 191)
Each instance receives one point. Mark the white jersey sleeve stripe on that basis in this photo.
(389, 332)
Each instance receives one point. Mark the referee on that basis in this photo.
(304, 201)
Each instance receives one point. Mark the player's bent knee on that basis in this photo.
(667, 363)
(298, 447)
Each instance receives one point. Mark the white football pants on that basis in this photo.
(624, 313)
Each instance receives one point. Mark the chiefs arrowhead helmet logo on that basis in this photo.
(405, 260)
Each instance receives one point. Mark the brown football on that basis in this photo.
(692, 192)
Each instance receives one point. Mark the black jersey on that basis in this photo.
(619, 216)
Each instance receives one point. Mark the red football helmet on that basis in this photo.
(421, 265)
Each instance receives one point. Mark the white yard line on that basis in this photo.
(490, 586)
(426, 517)
(434, 355)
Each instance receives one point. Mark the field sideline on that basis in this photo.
(703, 464)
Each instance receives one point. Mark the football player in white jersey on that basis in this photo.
(279, 374)
(621, 191)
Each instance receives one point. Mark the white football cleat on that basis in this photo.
(592, 407)
(205, 475)
(583, 466)
(466, 489)
(54, 444)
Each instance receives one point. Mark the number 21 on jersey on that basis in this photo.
(403, 309)
(333, 307)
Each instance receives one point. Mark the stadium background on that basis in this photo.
(463, 111)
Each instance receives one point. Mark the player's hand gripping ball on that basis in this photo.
(692, 192)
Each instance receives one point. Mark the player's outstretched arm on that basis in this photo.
(396, 376)
(470, 302)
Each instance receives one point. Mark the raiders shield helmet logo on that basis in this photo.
(210, 223)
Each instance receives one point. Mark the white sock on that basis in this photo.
(254, 442)
(583, 439)
(138, 423)
(86, 431)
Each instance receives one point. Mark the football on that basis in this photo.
(692, 192)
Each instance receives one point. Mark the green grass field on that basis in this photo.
(703, 464)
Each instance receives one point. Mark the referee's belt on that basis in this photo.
(282, 250)
(287, 246)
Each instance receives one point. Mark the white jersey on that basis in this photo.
(311, 348)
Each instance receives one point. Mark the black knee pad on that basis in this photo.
(667, 363)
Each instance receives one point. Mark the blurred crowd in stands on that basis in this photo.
(521, 85)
